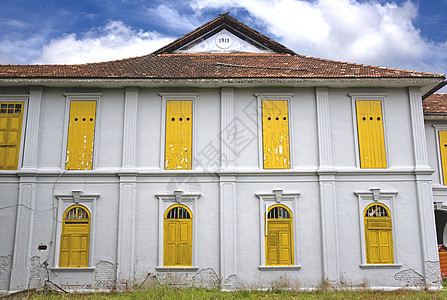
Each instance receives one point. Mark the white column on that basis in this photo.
(32, 130)
(417, 122)
(227, 128)
(130, 128)
(328, 209)
(126, 209)
(23, 234)
(126, 232)
(324, 128)
(423, 173)
(228, 254)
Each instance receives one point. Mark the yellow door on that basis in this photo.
(279, 242)
(11, 119)
(81, 132)
(443, 151)
(370, 133)
(75, 238)
(178, 135)
(177, 237)
(275, 134)
(379, 240)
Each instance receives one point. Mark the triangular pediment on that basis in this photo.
(224, 34)
(224, 41)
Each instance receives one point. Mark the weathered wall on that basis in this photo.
(249, 179)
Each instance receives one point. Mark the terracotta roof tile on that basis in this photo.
(211, 65)
(435, 104)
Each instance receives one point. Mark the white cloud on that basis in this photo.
(171, 18)
(114, 41)
(347, 30)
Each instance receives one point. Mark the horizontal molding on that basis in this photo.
(380, 266)
(177, 269)
(280, 268)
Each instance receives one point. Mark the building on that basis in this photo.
(223, 158)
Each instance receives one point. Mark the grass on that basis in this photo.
(201, 293)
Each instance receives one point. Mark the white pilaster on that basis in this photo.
(324, 128)
(130, 128)
(23, 234)
(328, 209)
(417, 123)
(228, 254)
(424, 192)
(227, 128)
(32, 130)
(126, 232)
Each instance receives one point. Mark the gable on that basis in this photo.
(224, 40)
(224, 34)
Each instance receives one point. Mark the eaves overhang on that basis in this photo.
(425, 84)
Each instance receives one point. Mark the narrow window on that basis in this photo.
(75, 238)
(378, 235)
(443, 151)
(11, 119)
(278, 236)
(370, 134)
(178, 135)
(81, 131)
(275, 134)
(178, 237)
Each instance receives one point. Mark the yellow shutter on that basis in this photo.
(443, 151)
(178, 135)
(379, 240)
(170, 242)
(275, 134)
(185, 242)
(279, 246)
(81, 131)
(11, 119)
(370, 133)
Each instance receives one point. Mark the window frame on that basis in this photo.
(165, 202)
(177, 97)
(80, 97)
(369, 97)
(290, 201)
(439, 128)
(387, 199)
(25, 100)
(88, 202)
(274, 97)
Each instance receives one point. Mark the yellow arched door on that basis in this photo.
(378, 235)
(278, 237)
(75, 238)
(177, 237)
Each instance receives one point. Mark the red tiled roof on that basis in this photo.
(435, 104)
(211, 65)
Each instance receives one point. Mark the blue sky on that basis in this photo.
(399, 34)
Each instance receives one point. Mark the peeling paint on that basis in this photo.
(206, 278)
(105, 275)
(5, 271)
(409, 277)
(38, 274)
(432, 273)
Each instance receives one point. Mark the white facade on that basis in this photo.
(326, 193)
(227, 190)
